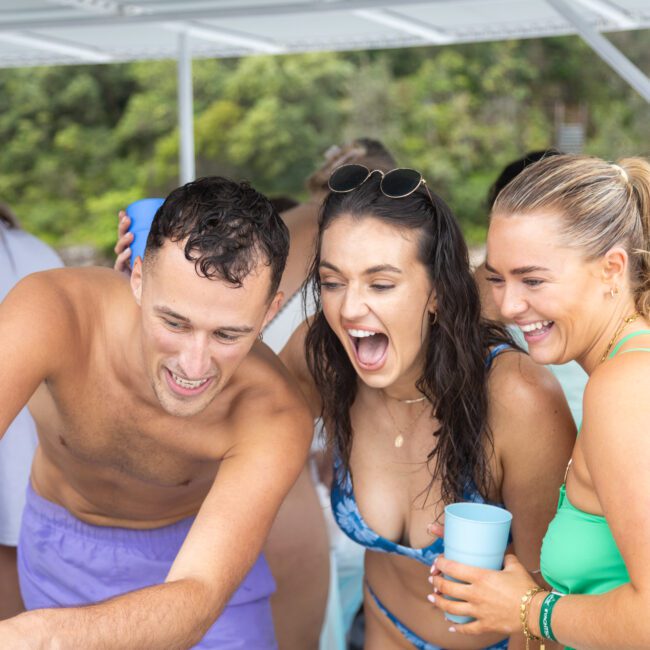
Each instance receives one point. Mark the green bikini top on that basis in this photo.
(579, 553)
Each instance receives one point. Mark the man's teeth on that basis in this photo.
(531, 327)
(360, 334)
(186, 383)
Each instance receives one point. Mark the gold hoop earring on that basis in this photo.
(260, 337)
(613, 292)
(433, 318)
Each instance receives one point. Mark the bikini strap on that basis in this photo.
(631, 335)
(625, 339)
(495, 352)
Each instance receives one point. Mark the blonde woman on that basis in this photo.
(568, 257)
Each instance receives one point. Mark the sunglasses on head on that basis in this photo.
(395, 184)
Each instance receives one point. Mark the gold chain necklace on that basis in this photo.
(621, 327)
(399, 438)
(413, 400)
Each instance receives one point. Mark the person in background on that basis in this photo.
(571, 376)
(569, 261)
(20, 255)
(423, 401)
(318, 570)
(282, 203)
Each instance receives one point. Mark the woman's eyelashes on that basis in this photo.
(333, 285)
(330, 285)
(530, 282)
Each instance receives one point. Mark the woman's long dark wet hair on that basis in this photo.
(455, 370)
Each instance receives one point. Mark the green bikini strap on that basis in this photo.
(625, 339)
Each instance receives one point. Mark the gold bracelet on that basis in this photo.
(524, 610)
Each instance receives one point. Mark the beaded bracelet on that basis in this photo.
(545, 615)
(524, 610)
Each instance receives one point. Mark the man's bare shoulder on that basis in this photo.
(63, 313)
(263, 375)
(263, 388)
(68, 287)
(64, 300)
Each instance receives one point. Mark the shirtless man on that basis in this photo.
(168, 435)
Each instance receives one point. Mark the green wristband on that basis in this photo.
(545, 616)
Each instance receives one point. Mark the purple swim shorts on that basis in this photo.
(64, 562)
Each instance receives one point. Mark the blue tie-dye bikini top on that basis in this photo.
(351, 522)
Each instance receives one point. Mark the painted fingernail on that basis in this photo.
(431, 598)
(452, 629)
(430, 579)
(433, 567)
(436, 590)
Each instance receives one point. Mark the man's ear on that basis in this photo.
(273, 309)
(613, 269)
(136, 280)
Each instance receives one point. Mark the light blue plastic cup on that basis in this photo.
(141, 213)
(476, 534)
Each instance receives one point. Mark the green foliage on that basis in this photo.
(81, 142)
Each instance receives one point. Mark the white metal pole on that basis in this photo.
(605, 50)
(185, 111)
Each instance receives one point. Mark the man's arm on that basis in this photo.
(222, 545)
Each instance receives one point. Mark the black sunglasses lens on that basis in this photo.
(400, 182)
(347, 178)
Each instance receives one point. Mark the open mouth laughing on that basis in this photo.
(186, 387)
(370, 348)
(536, 330)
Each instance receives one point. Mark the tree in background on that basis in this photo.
(80, 143)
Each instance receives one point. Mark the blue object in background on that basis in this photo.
(141, 213)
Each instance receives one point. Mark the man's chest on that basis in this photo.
(105, 427)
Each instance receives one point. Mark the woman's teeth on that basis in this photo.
(531, 327)
(187, 383)
(360, 334)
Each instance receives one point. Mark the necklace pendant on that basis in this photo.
(399, 440)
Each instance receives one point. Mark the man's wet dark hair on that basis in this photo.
(227, 227)
(513, 169)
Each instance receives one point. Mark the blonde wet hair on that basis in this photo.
(601, 205)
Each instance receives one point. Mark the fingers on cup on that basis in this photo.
(450, 588)
(458, 571)
(123, 243)
(471, 629)
(122, 261)
(435, 530)
(123, 223)
(456, 607)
